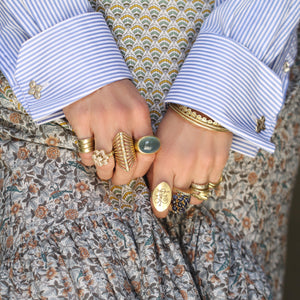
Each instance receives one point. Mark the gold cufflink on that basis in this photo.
(35, 89)
(260, 124)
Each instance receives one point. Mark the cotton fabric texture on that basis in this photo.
(64, 234)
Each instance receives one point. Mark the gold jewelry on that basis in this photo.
(200, 187)
(200, 191)
(191, 116)
(147, 144)
(101, 158)
(161, 196)
(214, 185)
(124, 150)
(200, 195)
(86, 145)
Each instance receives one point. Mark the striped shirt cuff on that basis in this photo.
(225, 81)
(69, 60)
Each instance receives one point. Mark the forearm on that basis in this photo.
(69, 52)
(237, 69)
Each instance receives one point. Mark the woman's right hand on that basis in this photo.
(117, 107)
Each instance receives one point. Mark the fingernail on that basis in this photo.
(161, 197)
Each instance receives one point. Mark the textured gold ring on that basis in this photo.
(214, 185)
(200, 191)
(123, 148)
(200, 195)
(86, 145)
(101, 158)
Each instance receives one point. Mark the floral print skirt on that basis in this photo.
(65, 234)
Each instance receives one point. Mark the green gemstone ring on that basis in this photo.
(147, 145)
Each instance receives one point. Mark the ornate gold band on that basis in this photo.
(124, 151)
(191, 116)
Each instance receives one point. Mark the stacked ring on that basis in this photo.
(180, 201)
(200, 191)
(101, 158)
(86, 145)
(123, 148)
(214, 185)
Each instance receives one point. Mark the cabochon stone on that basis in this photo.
(148, 144)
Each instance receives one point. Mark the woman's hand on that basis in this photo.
(189, 154)
(117, 107)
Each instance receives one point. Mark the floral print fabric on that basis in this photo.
(64, 234)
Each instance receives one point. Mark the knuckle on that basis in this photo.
(207, 164)
(141, 109)
(220, 161)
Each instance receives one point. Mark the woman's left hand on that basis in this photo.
(189, 154)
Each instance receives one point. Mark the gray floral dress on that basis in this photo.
(64, 234)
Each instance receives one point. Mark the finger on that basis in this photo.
(196, 201)
(219, 164)
(144, 161)
(146, 148)
(215, 176)
(121, 175)
(105, 172)
(143, 164)
(86, 157)
(160, 198)
(181, 196)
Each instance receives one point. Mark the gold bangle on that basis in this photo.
(191, 116)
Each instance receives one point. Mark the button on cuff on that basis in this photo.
(286, 67)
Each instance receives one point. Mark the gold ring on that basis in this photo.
(200, 191)
(101, 158)
(147, 144)
(86, 145)
(214, 185)
(200, 187)
(123, 148)
(200, 195)
(161, 196)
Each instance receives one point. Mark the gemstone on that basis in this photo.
(180, 201)
(148, 145)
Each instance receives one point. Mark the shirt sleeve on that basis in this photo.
(237, 70)
(56, 52)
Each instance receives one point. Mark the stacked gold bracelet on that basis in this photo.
(197, 119)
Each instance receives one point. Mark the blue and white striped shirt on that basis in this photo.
(236, 72)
